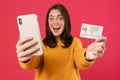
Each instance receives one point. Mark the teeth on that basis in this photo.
(55, 27)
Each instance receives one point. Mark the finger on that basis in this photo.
(101, 39)
(23, 40)
(100, 44)
(28, 52)
(28, 45)
(99, 52)
(97, 55)
(24, 58)
(100, 55)
(98, 49)
(91, 55)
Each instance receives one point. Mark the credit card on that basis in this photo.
(91, 31)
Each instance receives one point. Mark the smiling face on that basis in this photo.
(56, 22)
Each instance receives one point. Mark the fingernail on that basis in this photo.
(30, 37)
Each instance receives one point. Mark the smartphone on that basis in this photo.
(28, 25)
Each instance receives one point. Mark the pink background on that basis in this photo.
(99, 12)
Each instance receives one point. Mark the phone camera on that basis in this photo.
(20, 21)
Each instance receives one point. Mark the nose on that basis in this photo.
(56, 21)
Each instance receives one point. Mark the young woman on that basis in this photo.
(63, 55)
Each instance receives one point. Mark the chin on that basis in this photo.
(57, 35)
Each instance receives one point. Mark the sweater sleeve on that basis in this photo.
(79, 58)
(33, 63)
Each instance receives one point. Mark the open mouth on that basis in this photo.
(56, 28)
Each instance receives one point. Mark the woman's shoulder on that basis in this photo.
(76, 40)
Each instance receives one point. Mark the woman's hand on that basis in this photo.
(25, 49)
(96, 49)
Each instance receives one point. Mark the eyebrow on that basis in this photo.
(57, 15)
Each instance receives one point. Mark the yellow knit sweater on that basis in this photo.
(59, 63)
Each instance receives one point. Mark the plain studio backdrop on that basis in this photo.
(98, 12)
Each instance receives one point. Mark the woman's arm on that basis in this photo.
(84, 58)
(79, 56)
(32, 63)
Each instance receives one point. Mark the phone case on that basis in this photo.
(29, 26)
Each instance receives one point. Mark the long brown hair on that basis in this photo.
(65, 37)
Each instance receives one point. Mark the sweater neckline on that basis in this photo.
(59, 42)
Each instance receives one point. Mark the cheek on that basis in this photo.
(63, 25)
(50, 23)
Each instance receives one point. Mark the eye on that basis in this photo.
(51, 18)
(61, 18)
